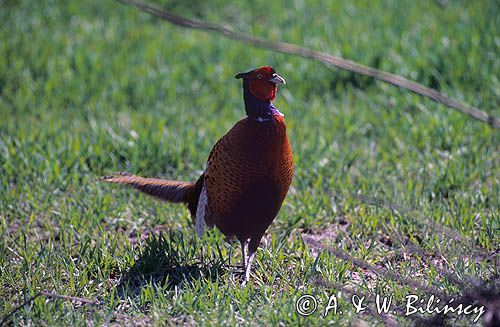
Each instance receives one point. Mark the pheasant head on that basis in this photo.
(259, 89)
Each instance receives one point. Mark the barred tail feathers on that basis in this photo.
(171, 191)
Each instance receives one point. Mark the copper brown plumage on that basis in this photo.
(247, 175)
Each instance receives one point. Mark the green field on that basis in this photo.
(393, 194)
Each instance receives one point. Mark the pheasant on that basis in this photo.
(247, 175)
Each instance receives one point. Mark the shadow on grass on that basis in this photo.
(170, 261)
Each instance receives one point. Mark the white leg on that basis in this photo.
(252, 249)
(251, 255)
(230, 254)
(243, 255)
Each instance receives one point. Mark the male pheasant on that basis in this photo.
(248, 172)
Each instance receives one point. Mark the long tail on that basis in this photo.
(171, 191)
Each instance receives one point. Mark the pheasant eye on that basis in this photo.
(259, 76)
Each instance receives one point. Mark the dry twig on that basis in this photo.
(323, 57)
(49, 295)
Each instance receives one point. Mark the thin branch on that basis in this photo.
(388, 319)
(430, 224)
(323, 57)
(387, 274)
(410, 246)
(28, 301)
(49, 295)
(69, 298)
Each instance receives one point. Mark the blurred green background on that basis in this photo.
(88, 88)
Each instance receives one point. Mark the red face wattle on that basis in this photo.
(263, 82)
(260, 86)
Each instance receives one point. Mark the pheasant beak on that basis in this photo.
(277, 79)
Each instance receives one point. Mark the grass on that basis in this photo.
(405, 186)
